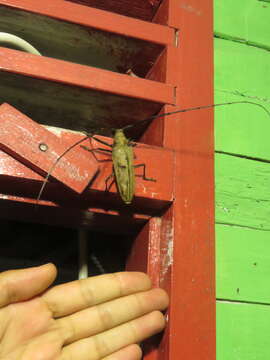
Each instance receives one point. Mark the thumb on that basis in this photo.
(20, 285)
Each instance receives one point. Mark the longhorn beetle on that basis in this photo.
(123, 168)
(122, 153)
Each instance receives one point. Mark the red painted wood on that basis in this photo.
(149, 195)
(187, 258)
(192, 279)
(158, 70)
(176, 249)
(25, 139)
(84, 76)
(142, 9)
(145, 254)
(99, 19)
(24, 209)
(162, 13)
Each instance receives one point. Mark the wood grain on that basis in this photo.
(242, 192)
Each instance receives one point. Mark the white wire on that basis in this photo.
(98, 264)
(16, 41)
(83, 253)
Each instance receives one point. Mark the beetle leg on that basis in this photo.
(143, 175)
(96, 149)
(107, 188)
(102, 142)
(93, 151)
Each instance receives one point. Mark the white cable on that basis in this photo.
(97, 264)
(16, 41)
(83, 254)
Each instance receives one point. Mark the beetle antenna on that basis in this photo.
(196, 108)
(55, 163)
(59, 158)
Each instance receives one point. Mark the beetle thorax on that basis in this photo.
(120, 138)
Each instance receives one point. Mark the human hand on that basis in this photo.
(102, 317)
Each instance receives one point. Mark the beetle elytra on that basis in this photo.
(123, 165)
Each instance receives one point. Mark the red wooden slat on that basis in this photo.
(41, 67)
(24, 209)
(158, 193)
(142, 9)
(38, 148)
(99, 19)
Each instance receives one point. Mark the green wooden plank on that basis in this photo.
(242, 73)
(243, 264)
(245, 20)
(243, 331)
(242, 68)
(242, 129)
(242, 192)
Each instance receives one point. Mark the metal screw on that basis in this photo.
(43, 147)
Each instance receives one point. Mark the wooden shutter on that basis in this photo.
(108, 64)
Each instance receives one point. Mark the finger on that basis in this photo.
(105, 316)
(99, 346)
(131, 352)
(77, 295)
(20, 285)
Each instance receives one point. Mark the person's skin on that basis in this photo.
(103, 317)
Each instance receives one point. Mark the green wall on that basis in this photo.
(242, 72)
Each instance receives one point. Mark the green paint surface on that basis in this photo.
(242, 72)
(242, 192)
(242, 68)
(245, 20)
(243, 331)
(242, 129)
(243, 264)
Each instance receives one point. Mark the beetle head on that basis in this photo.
(119, 137)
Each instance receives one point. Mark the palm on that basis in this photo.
(24, 322)
(97, 318)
